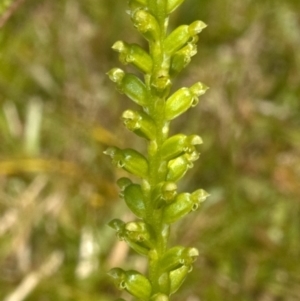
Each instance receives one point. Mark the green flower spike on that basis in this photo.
(155, 199)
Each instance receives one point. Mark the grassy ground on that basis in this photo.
(59, 112)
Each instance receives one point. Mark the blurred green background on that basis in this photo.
(59, 112)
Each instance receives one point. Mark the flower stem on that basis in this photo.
(156, 165)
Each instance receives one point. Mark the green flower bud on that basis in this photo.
(178, 167)
(176, 39)
(128, 159)
(141, 233)
(133, 282)
(189, 255)
(146, 24)
(119, 277)
(182, 58)
(178, 103)
(171, 259)
(196, 27)
(116, 75)
(178, 276)
(135, 163)
(198, 89)
(183, 99)
(161, 81)
(140, 123)
(193, 140)
(119, 226)
(178, 145)
(176, 257)
(138, 285)
(139, 227)
(193, 155)
(181, 35)
(182, 205)
(134, 241)
(134, 198)
(168, 191)
(164, 193)
(134, 54)
(198, 197)
(130, 85)
(173, 4)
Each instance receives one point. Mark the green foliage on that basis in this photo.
(155, 200)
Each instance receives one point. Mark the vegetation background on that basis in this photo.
(59, 112)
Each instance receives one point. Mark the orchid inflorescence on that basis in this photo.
(154, 199)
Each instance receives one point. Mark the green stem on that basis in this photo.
(156, 170)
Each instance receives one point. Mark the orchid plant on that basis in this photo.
(154, 198)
